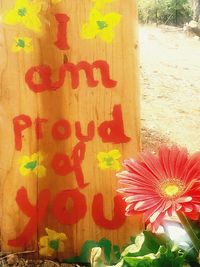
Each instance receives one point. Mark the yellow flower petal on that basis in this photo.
(10, 17)
(40, 171)
(113, 19)
(115, 154)
(103, 166)
(44, 241)
(102, 155)
(101, 3)
(31, 164)
(34, 157)
(116, 166)
(21, 3)
(38, 156)
(26, 13)
(15, 48)
(46, 251)
(95, 15)
(62, 236)
(109, 160)
(27, 40)
(36, 6)
(107, 35)
(33, 24)
(47, 243)
(89, 31)
(28, 48)
(24, 160)
(53, 235)
(24, 171)
(102, 25)
(22, 44)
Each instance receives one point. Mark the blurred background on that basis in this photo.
(170, 73)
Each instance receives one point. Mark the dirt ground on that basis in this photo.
(170, 85)
(15, 260)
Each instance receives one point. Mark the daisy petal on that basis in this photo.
(163, 184)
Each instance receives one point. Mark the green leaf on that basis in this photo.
(116, 252)
(86, 250)
(154, 241)
(31, 165)
(145, 260)
(168, 258)
(146, 243)
(96, 259)
(191, 257)
(54, 244)
(134, 247)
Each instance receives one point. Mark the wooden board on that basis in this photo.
(69, 115)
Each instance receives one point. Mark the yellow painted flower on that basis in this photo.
(22, 44)
(32, 164)
(51, 243)
(109, 160)
(100, 3)
(24, 12)
(100, 25)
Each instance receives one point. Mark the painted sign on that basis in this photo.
(69, 114)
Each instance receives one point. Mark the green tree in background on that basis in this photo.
(173, 12)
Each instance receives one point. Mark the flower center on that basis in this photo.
(54, 244)
(109, 161)
(171, 188)
(22, 12)
(102, 24)
(31, 165)
(21, 43)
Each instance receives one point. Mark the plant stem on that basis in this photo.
(188, 228)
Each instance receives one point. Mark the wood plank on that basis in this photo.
(114, 103)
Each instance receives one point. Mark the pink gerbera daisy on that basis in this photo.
(162, 184)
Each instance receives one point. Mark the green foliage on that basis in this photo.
(111, 252)
(173, 12)
(149, 250)
(168, 257)
(149, 243)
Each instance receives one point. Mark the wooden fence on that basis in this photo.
(69, 115)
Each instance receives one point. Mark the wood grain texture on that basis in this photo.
(82, 104)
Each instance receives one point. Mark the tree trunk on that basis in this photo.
(196, 10)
